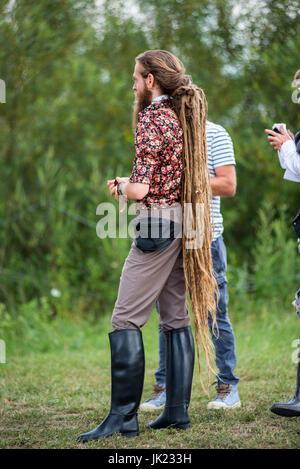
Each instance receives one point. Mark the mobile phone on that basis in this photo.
(274, 130)
(277, 128)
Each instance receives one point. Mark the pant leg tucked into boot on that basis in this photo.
(179, 375)
(127, 378)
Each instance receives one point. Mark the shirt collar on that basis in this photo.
(162, 97)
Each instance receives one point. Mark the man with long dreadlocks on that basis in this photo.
(221, 164)
(169, 176)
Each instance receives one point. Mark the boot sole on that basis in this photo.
(124, 434)
(185, 426)
(285, 412)
(130, 434)
(176, 426)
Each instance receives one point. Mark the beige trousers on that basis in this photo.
(148, 277)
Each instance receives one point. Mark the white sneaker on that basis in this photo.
(227, 398)
(157, 400)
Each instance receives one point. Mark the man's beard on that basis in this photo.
(142, 101)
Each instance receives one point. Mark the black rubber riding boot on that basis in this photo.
(291, 408)
(127, 379)
(179, 375)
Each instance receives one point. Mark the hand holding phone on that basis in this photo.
(279, 127)
(278, 135)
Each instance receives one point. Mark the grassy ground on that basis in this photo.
(50, 395)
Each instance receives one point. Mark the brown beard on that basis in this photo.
(141, 102)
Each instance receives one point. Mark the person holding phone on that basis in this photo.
(288, 147)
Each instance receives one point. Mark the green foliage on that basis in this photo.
(46, 326)
(275, 264)
(53, 391)
(271, 280)
(66, 128)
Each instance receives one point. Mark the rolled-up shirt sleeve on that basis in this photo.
(290, 160)
(148, 144)
(222, 152)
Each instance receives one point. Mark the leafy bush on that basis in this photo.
(273, 277)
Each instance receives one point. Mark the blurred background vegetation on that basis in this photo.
(66, 128)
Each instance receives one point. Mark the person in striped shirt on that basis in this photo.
(221, 165)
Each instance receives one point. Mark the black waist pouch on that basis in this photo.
(153, 234)
(296, 224)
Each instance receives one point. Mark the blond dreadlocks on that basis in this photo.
(190, 105)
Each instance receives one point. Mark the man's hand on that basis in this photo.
(113, 188)
(276, 140)
(111, 184)
(132, 190)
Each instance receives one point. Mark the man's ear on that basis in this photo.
(150, 81)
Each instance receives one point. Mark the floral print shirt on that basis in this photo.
(158, 155)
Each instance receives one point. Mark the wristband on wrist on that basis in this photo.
(119, 190)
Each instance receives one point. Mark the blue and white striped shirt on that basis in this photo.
(219, 153)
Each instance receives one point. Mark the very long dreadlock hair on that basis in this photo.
(190, 105)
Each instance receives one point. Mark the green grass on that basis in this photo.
(56, 384)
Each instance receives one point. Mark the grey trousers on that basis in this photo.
(148, 277)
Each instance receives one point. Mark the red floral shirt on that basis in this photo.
(158, 155)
